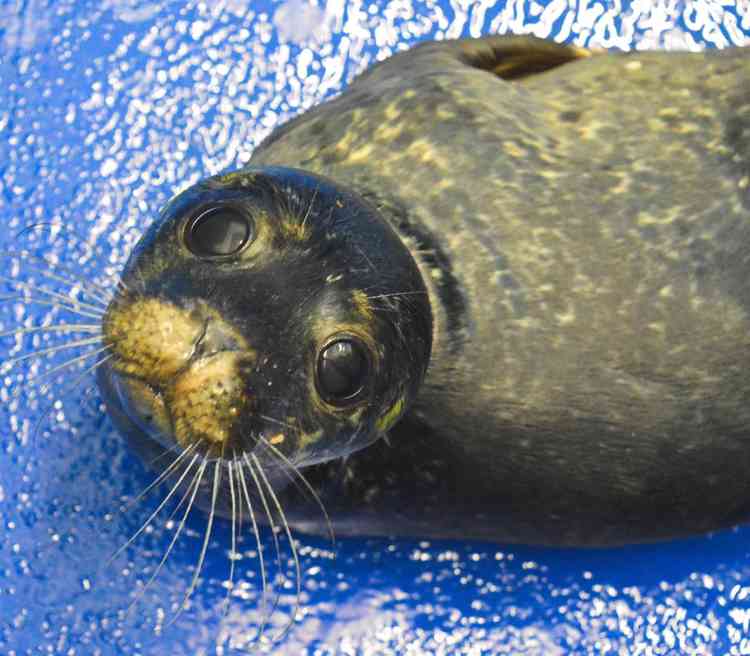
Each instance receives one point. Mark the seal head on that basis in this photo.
(266, 310)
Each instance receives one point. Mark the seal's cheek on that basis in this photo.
(206, 400)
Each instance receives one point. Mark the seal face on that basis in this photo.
(267, 309)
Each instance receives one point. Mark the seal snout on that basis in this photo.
(177, 371)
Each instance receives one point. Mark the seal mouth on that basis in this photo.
(201, 404)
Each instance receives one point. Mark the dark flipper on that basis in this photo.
(514, 57)
(509, 57)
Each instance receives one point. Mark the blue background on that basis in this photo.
(107, 108)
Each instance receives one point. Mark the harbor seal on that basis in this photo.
(497, 289)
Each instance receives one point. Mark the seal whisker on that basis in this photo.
(233, 552)
(396, 295)
(28, 286)
(159, 508)
(9, 364)
(68, 363)
(275, 421)
(66, 389)
(60, 327)
(269, 515)
(304, 482)
(367, 259)
(259, 546)
(156, 458)
(91, 289)
(52, 227)
(94, 288)
(31, 300)
(206, 540)
(191, 491)
(310, 207)
(239, 496)
(167, 471)
(287, 530)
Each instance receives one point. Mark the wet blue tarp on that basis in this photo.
(107, 108)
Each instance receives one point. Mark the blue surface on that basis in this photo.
(107, 109)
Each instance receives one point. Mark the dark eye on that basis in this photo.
(218, 232)
(342, 370)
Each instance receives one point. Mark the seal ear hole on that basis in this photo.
(218, 232)
(342, 370)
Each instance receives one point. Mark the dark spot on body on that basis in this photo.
(515, 294)
(318, 127)
(404, 139)
(737, 138)
(569, 116)
(671, 120)
(648, 233)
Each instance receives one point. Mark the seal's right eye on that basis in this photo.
(218, 232)
(342, 370)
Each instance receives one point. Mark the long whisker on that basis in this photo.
(30, 300)
(277, 549)
(192, 490)
(163, 475)
(8, 364)
(261, 562)
(60, 327)
(304, 482)
(51, 227)
(277, 421)
(52, 294)
(69, 363)
(239, 496)
(206, 540)
(310, 207)
(66, 389)
(233, 555)
(287, 530)
(396, 295)
(89, 288)
(159, 508)
(367, 259)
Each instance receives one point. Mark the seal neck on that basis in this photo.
(450, 316)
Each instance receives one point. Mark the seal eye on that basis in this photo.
(218, 232)
(342, 370)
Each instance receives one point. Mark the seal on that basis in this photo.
(497, 289)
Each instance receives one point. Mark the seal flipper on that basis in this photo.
(515, 57)
(509, 57)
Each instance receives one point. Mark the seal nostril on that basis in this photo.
(216, 337)
(199, 348)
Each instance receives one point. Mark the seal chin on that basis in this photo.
(144, 407)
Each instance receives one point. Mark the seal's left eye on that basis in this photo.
(218, 232)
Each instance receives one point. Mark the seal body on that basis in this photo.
(581, 224)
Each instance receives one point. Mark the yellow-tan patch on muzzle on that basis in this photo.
(206, 399)
(151, 339)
